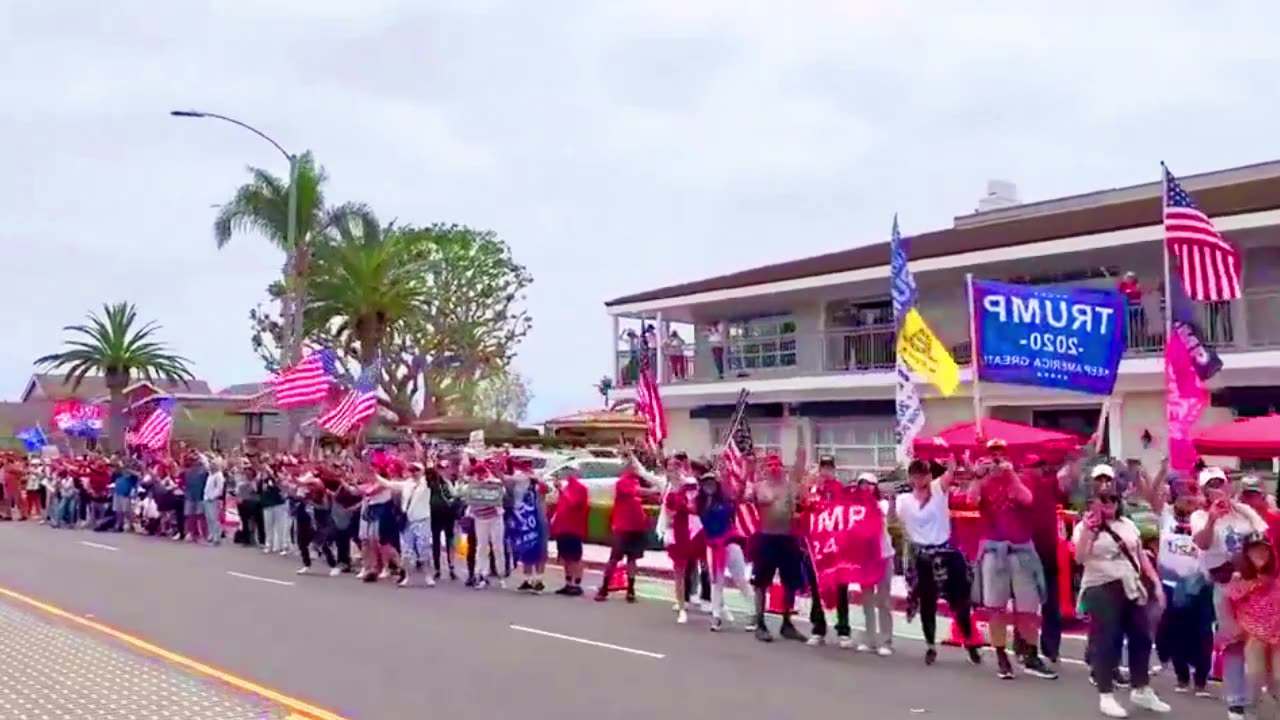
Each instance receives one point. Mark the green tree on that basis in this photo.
(261, 206)
(503, 396)
(466, 328)
(116, 346)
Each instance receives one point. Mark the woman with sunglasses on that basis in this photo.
(1117, 585)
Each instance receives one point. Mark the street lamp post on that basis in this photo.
(293, 322)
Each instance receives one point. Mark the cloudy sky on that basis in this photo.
(662, 140)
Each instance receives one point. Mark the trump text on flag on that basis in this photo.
(1056, 337)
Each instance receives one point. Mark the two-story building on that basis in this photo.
(817, 336)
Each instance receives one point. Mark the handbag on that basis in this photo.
(1148, 586)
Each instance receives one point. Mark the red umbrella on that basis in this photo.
(1256, 438)
(1020, 440)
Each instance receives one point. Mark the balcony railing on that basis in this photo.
(871, 349)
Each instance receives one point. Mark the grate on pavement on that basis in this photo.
(49, 671)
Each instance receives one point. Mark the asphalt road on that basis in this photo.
(382, 653)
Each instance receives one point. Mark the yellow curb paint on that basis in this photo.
(301, 710)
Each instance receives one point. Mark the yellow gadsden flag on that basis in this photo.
(921, 350)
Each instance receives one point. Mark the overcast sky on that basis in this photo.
(616, 146)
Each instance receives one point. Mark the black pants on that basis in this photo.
(818, 617)
(1113, 619)
(306, 531)
(341, 539)
(927, 593)
(697, 574)
(1051, 610)
(1186, 633)
(442, 523)
(252, 530)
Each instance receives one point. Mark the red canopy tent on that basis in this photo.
(1256, 438)
(1021, 440)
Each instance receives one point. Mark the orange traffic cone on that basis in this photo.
(1215, 671)
(957, 639)
(618, 580)
(774, 600)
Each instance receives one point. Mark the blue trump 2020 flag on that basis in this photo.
(33, 438)
(1045, 336)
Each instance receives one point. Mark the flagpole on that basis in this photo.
(973, 357)
(1164, 254)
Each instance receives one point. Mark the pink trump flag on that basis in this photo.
(1185, 399)
(844, 542)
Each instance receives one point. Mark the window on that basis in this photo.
(762, 343)
(599, 470)
(857, 444)
(253, 425)
(767, 436)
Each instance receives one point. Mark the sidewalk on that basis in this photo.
(51, 670)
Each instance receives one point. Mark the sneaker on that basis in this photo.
(705, 606)
(386, 573)
(335, 572)
(789, 632)
(453, 575)
(471, 582)
(1156, 669)
(749, 622)
(930, 656)
(369, 577)
(404, 582)
(1235, 712)
(481, 583)
(716, 624)
(1182, 689)
(576, 591)
(816, 641)
(863, 647)
(525, 586)
(1121, 679)
(1004, 668)
(677, 607)
(845, 642)
(304, 570)
(602, 595)
(884, 651)
(437, 575)
(430, 582)
(1203, 692)
(566, 590)
(975, 655)
(631, 596)
(1146, 698)
(284, 553)
(763, 634)
(538, 587)
(1107, 705)
(1036, 666)
(682, 617)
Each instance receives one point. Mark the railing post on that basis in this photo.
(1240, 322)
(660, 340)
(613, 352)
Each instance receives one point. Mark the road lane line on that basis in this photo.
(584, 641)
(99, 546)
(298, 707)
(245, 576)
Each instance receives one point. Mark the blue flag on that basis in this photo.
(910, 420)
(33, 438)
(1203, 358)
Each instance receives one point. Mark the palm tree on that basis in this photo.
(365, 279)
(262, 206)
(114, 345)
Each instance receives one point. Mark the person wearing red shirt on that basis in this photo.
(683, 536)
(1130, 288)
(569, 528)
(1253, 494)
(629, 527)
(828, 488)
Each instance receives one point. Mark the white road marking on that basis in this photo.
(244, 576)
(99, 546)
(584, 641)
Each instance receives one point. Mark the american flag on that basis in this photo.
(357, 406)
(648, 401)
(154, 432)
(739, 447)
(307, 383)
(1209, 263)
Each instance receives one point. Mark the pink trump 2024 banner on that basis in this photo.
(845, 543)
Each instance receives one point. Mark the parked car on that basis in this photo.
(600, 475)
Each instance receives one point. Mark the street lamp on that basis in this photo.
(291, 227)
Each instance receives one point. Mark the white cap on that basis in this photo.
(867, 477)
(1210, 474)
(1102, 470)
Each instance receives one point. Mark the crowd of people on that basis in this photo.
(1205, 581)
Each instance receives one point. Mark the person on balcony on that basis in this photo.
(631, 371)
(674, 346)
(716, 339)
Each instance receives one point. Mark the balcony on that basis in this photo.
(1252, 323)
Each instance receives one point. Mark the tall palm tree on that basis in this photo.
(262, 206)
(116, 346)
(365, 279)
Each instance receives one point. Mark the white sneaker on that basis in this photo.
(1235, 714)
(682, 617)
(335, 572)
(386, 573)
(1108, 706)
(846, 643)
(704, 606)
(405, 582)
(284, 552)
(430, 582)
(863, 647)
(1147, 699)
(884, 651)
(1156, 669)
(266, 551)
(816, 641)
(304, 570)
(677, 607)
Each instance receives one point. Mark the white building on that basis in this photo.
(816, 334)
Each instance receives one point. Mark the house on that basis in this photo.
(816, 334)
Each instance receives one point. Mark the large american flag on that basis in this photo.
(307, 383)
(154, 432)
(357, 406)
(1210, 264)
(648, 400)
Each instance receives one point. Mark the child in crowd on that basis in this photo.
(1254, 597)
